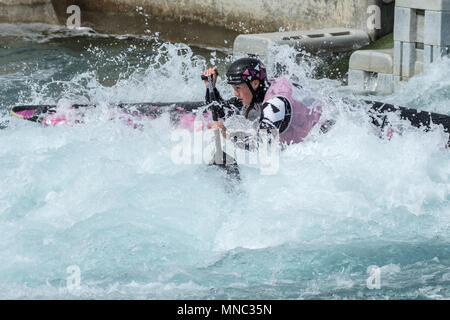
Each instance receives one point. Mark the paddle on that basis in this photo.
(221, 159)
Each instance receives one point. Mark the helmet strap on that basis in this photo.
(249, 85)
(259, 93)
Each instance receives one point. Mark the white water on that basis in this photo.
(108, 199)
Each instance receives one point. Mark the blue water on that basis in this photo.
(109, 201)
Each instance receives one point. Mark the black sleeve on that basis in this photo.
(229, 107)
(232, 107)
(216, 93)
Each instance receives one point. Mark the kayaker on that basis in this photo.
(280, 106)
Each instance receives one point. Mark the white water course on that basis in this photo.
(99, 210)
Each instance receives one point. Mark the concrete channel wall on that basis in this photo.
(27, 11)
(238, 15)
(421, 37)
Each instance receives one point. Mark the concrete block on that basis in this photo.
(398, 56)
(405, 27)
(427, 55)
(421, 36)
(436, 5)
(253, 44)
(27, 11)
(418, 67)
(420, 27)
(420, 55)
(329, 40)
(379, 61)
(437, 28)
(408, 59)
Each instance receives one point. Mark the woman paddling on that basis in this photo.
(281, 107)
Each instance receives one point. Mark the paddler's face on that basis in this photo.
(243, 93)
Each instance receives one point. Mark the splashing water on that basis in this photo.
(109, 200)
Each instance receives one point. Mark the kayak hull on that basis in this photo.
(183, 114)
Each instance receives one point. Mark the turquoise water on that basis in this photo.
(108, 201)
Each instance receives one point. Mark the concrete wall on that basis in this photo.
(239, 15)
(26, 11)
(199, 17)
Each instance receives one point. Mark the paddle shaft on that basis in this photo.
(218, 157)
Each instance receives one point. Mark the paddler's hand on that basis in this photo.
(216, 125)
(211, 72)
